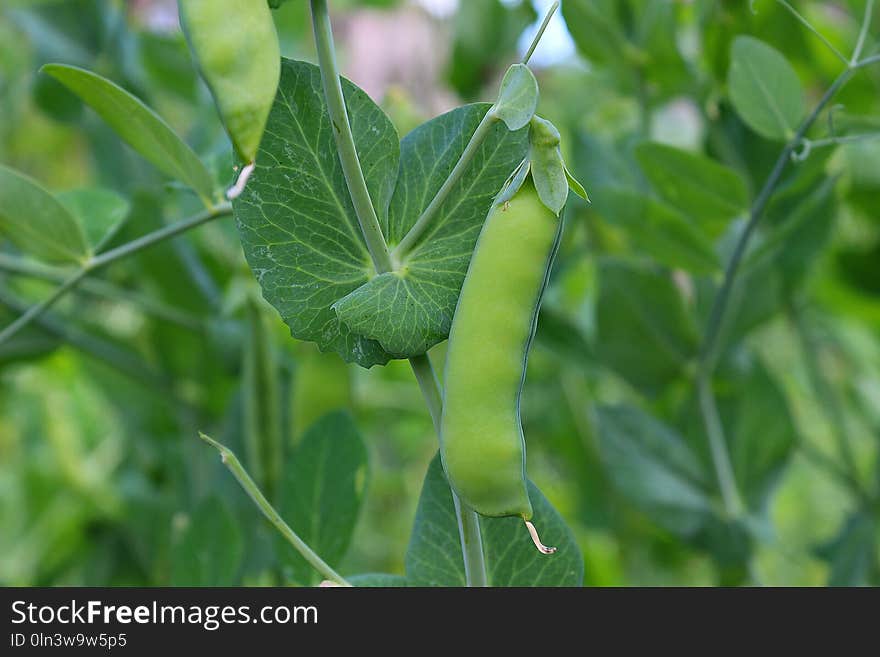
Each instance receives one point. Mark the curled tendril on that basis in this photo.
(806, 147)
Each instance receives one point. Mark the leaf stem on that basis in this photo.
(102, 350)
(160, 235)
(874, 59)
(708, 407)
(102, 288)
(234, 465)
(720, 305)
(429, 213)
(348, 157)
(801, 19)
(108, 257)
(730, 496)
(468, 522)
(38, 309)
(540, 33)
(863, 33)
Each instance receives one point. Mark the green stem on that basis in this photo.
(38, 309)
(720, 306)
(106, 352)
(708, 407)
(874, 59)
(803, 21)
(827, 398)
(231, 461)
(468, 522)
(160, 235)
(730, 495)
(429, 213)
(540, 32)
(348, 157)
(108, 257)
(101, 288)
(863, 33)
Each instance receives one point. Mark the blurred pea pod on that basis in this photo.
(236, 49)
(262, 401)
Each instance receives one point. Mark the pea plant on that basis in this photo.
(662, 308)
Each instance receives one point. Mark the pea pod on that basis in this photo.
(236, 48)
(481, 436)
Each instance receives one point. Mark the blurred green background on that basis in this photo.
(103, 480)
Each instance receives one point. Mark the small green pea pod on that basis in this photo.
(236, 49)
(481, 437)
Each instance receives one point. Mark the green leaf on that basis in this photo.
(595, 28)
(518, 97)
(377, 580)
(138, 125)
(646, 334)
(657, 229)
(546, 165)
(434, 554)
(765, 89)
(37, 222)
(653, 467)
(709, 193)
(853, 552)
(322, 492)
(761, 433)
(296, 222)
(101, 212)
(209, 551)
(411, 310)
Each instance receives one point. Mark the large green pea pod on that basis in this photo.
(481, 436)
(236, 49)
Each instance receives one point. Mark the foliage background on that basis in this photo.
(103, 480)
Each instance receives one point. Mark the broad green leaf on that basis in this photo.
(853, 553)
(653, 467)
(37, 222)
(210, 548)
(765, 89)
(708, 192)
(645, 332)
(433, 557)
(657, 229)
(518, 97)
(101, 212)
(295, 218)
(322, 492)
(760, 433)
(377, 580)
(411, 310)
(138, 125)
(595, 28)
